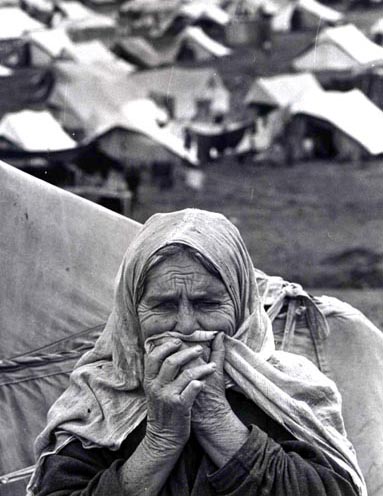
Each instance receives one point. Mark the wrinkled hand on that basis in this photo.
(211, 406)
(219, 431)
(171, 388)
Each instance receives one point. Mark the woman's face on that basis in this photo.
(181, 295)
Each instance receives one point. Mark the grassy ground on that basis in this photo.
(294, 220)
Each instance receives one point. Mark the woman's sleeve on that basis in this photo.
(76, 471)
(290, 468)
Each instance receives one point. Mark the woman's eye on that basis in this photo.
(165, 306)
(207, 305)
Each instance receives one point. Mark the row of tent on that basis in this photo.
(131, 102)
(296, 107)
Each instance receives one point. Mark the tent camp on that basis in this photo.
(14, 23)
(59, 255)
(339, 49)
(185, 93)
(347, 124)
(35, 131)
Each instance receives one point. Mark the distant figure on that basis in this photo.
(265, 16)
(133, 181)
(163, 174)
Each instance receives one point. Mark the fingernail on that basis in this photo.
(177, 341)
(198, 348)
(213, 365)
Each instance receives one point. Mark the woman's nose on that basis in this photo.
(186, 319)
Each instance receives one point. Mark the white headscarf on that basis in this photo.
(108, 379)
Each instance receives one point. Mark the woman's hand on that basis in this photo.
(211, 406)
(217, 428)
(171, 390)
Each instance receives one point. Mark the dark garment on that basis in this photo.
(271, 463)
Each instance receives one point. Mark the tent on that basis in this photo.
(47, 45)
(30, 87)
(351, 112)
(58, 252)
(280, 91)
(191, 44)
(139, 51)
(121, 104)
(59, 255)
(339, 49)
(14, 23)
(79, 86)
(183, 90)
(137, 134)
(199, 10)
(202, 46)
(82, 23)
(95, 52)
(5, 71)
(304, 14)
(35, 131)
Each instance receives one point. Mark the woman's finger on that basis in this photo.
(191, 391)
(154, 359)
(173, 363)
(191, 374)
(218, 350)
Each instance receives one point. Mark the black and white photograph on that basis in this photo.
(191, 247)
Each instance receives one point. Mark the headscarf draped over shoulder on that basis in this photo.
(108, 379)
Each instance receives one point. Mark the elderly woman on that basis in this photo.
(184, 392)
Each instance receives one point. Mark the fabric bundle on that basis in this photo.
(108, 379)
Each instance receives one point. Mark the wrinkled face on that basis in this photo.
(181, 295)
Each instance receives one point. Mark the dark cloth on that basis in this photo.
(270, 462)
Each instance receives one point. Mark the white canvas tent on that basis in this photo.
(35, 131)
(198, 9)
(351, 112)
(48, 45)
(314, 14)
(83, 23)
(145, 118)
(205, 46)
(14, 23)
(122, 104)
(282, 90)
(338, 49)
(5, 71)
(183, 88)
(95, 52)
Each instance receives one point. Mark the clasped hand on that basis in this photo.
(184, 392)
